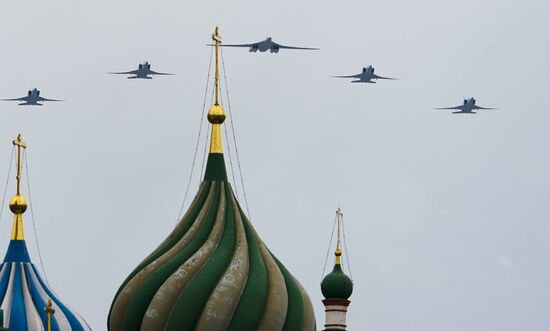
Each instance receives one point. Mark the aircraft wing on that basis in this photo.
(133, 72)
(293, 47)
(45, 99)
(351, 76)
(158, 73)
(235, 45)
(16, 99)
(380, 77)
(457, 107)
(478, 107)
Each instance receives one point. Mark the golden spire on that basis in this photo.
(18, 204)
(338, 254)
(50, 311)
(216, 114)
(338, 251)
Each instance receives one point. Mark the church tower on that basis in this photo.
(27, 300)
(336, 287)
(213, 272)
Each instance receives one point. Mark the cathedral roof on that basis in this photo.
(213, 272)
(24, 294)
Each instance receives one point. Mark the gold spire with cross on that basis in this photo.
(216, 114)
(50, 311)
(18, 204)
(338, 251)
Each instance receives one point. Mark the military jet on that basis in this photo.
(366, 76)
(143, 71)
(266, 45)
(32, 98)
(467, 107)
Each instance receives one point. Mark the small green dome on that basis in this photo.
(337, 285)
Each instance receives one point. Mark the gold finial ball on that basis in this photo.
(338, 252)
(18, 204)
(216, 114)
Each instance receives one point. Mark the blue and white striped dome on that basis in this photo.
(24, 296)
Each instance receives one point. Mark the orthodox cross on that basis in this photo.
(50, 311)
(20, 144)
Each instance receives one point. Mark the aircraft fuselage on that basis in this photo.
(143, 71)
(32, 98)
(468, 106)
(367, 75)
(264, 46)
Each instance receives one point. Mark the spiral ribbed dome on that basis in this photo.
(213, 272)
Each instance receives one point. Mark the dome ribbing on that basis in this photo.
(213, 272)
(24, 295)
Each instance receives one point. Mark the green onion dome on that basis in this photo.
(337, 285)
(213, 272)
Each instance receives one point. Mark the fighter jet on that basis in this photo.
(264, 46)
(143, 71)
(32, 98)
(366, 76)
(467, 107)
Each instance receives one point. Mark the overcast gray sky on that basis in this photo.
(446, 215)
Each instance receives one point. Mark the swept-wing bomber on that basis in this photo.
(365, 76)
(467, 107)
(143, 72)
(266, 45)
(32, 98)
